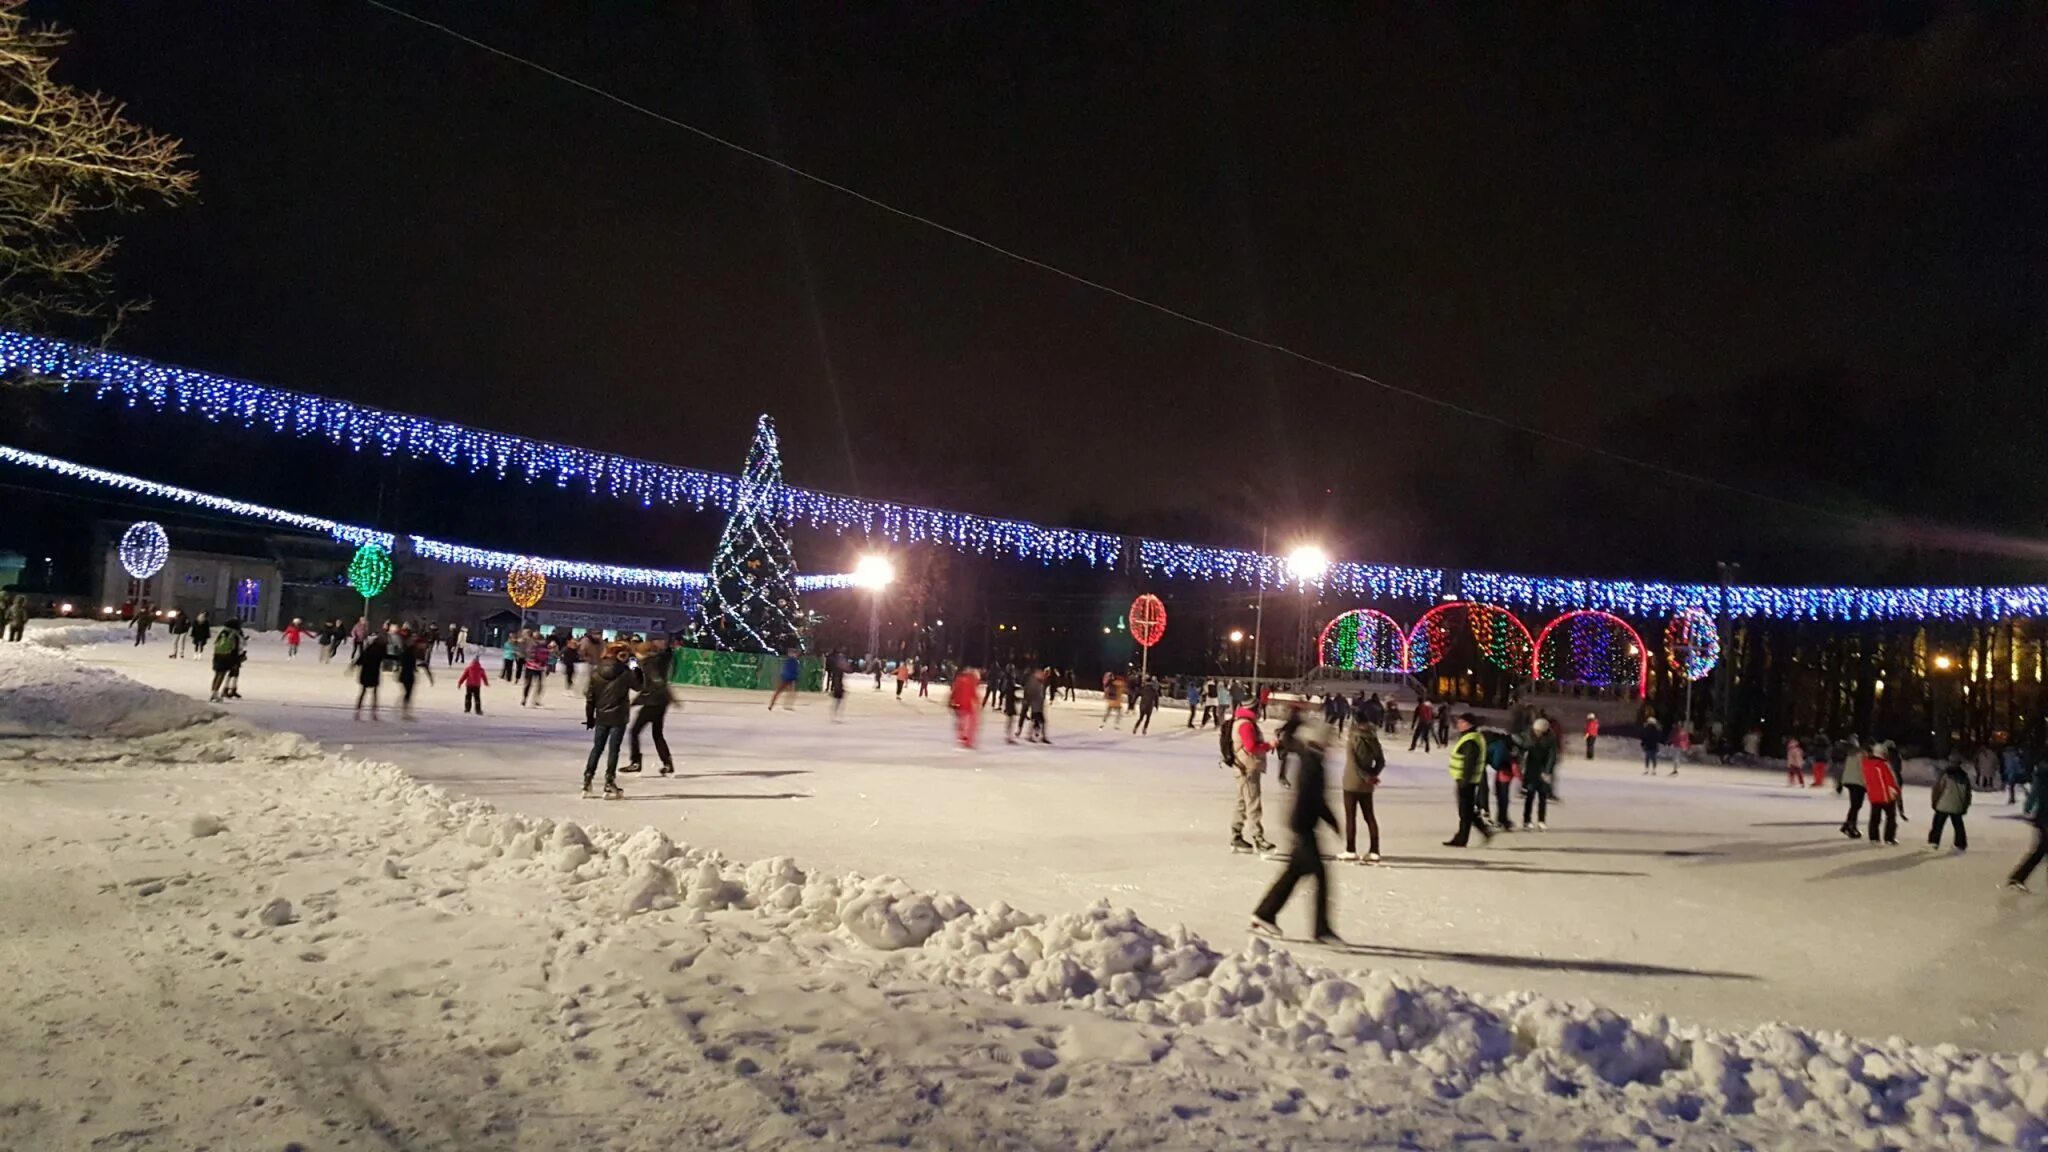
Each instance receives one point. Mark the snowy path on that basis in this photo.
(222, 937)
(1720, 897)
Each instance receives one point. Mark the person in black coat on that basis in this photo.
(654, 701)
(606, 708)
(1311, 809)
(369, 673)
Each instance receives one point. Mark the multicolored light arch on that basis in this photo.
(1363, 640)
(1502, 637)
(1596, 648)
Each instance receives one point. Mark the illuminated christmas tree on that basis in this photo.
(750, 602)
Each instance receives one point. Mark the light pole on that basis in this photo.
(1937, 688)
(874, 573)
(1306, 565)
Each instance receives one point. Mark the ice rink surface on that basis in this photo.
(1720, 896)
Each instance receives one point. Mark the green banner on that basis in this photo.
(703, 668)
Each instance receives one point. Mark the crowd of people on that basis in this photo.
(626, 692)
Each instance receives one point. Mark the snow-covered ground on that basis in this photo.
(225, 937)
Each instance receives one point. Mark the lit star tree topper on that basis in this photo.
(750, 600)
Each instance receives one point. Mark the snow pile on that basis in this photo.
(45, 692)
(75, 633)
(1366, 1035)
(1439, 1040)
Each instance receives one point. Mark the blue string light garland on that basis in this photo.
(141, 383)
(461, 555)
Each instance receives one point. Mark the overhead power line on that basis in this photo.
(1452, 406)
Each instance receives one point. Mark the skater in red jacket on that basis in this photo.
(1882, 789)
(472, 682)
(964, 702)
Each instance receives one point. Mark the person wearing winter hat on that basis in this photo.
(1311, 811)
(1364, 761)
(1592, 733)
(606, 708)
(1881, 785)
(1952, 796)
(1539, 766)
(1468, 777)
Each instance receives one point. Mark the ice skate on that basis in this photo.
(2014, 886)
(614, 792)
(588, 793)
(1265, 928)
(1239, 845)
(633, 766)
(1264, 846)
(1347, 856)
(668, 769)
(1329, 940)
(1372, 857)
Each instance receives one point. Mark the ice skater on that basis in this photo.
(2025, 871)
(1112, 700)
(1653, 743)
(605, 710)
(1882, 788)
(539, 653)
(1468, 779)
(1592, 733)
(1539, 769)
(1851, 781)
(293, 633)
(1248, 750)
(1425, 716)
(966, 711)
(472, 683)
(414, 658)
(835, 684)
(1034, 706)
(1795, 763)
(655, 699)
(369, 665)
(227, 658)
(1148, 703)
(1952, 796)
(1194, 694)
(1364, 761)
(1311, 810)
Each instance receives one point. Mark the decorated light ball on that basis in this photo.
(144, 549)
(1692, 644)
(526, 583)
(1148, 619)
(370, 571)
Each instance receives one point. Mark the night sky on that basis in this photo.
(1805, 254)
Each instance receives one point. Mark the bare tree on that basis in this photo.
(66, 157)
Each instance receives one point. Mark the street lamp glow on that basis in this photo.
(1237, 635)
(1944, 663)
(1307, 563)
(874, 572)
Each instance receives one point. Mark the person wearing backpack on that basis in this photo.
(1364, 760)
(1952, 796)
(227, 656)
